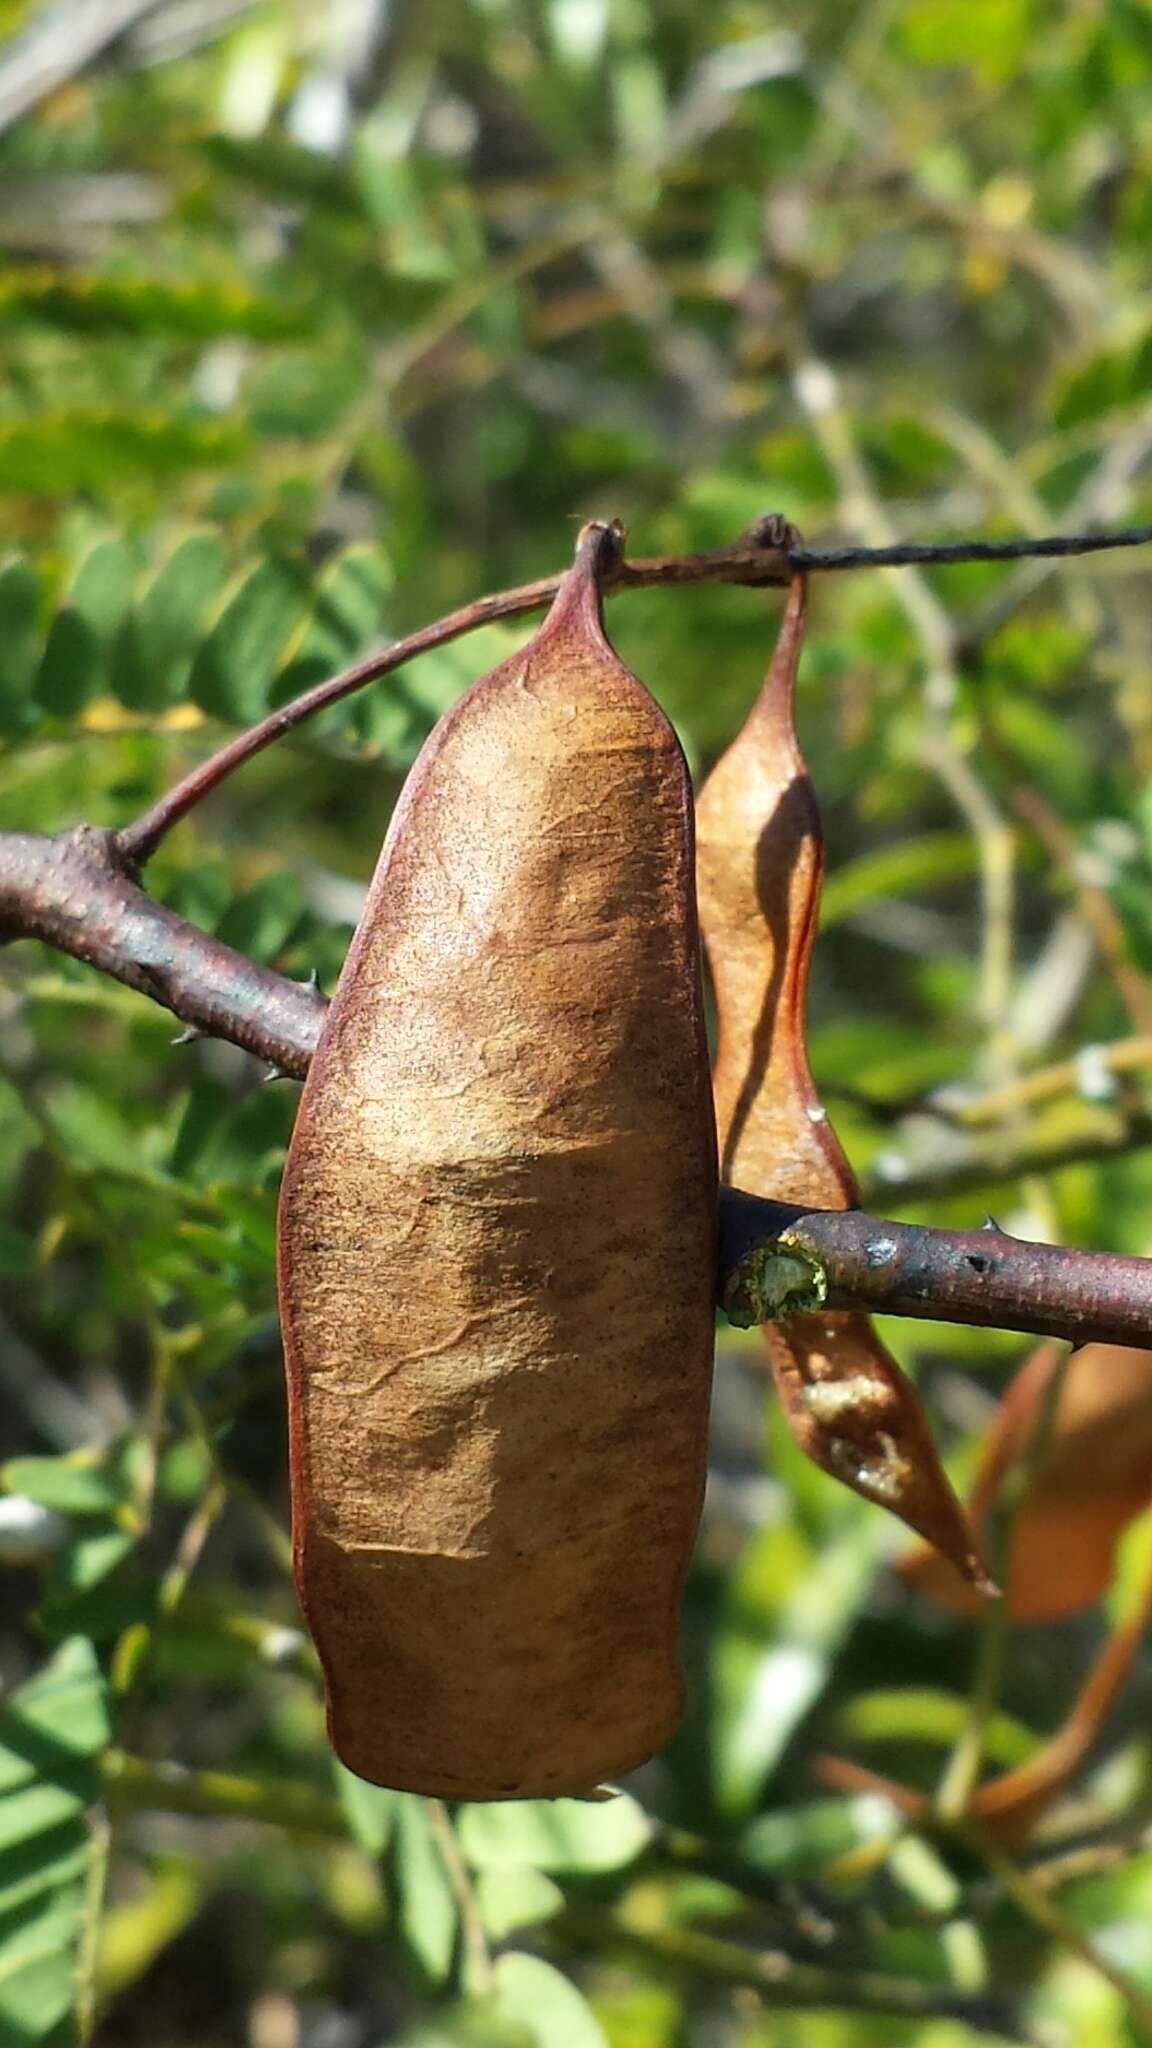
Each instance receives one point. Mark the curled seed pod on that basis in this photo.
(497, 1244)
(760, 866)
(1086, 1468)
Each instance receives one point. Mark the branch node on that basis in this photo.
(777, 1278)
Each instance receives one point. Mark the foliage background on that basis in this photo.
(317, 321)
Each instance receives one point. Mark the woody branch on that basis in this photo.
(77, 891)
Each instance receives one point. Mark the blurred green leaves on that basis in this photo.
(70, 451)
(52, 1730)
(64, 1483)
(555, 1835)
(176, 631)
(275, 391)
(154, 649)
(547, 2006)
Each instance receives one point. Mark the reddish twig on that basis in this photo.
(766, 553)
(757, 557)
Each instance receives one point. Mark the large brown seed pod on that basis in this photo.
(760, 867)
(497, 1244)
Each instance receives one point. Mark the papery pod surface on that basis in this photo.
(497, 1242)
(760, 865)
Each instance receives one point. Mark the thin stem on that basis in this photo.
(477, 1961)
(1094, 903)
(963, 1770)
(1041, 1908)
(757, 557)
(765, 554)
(818, 390)
(1088, 1073)
(1055, 1861)
(780, 1982)
(95, 1888)
(133, 1785)
(74, 892)
(899, 554)
(923, 1167)
(1106, 493)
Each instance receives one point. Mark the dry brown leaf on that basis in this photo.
(760, 866)
(497, 1236)
(1092, 1474)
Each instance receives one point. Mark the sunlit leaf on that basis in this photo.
(61, 1483)
(50, 1731)
(151, 656)
(84, 627)
(347, 610)
(426, 1913)
(371, 1809)
(235, 664)
(509, 1898)
(97, 304)
(529, 1989)
(58, 454)
(555, 1834)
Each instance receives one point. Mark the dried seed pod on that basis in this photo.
(760, 866)
(1091, 1473)
(497, 1244)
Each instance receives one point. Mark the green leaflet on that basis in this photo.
(79, 638)
(555, 1834)
(530, 1990)
(151, 657)
(60, 1483)
(426, 1916)
(19, 636)
(51, 1731)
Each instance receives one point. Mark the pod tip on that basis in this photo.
(979, 1577)
(600, 545)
